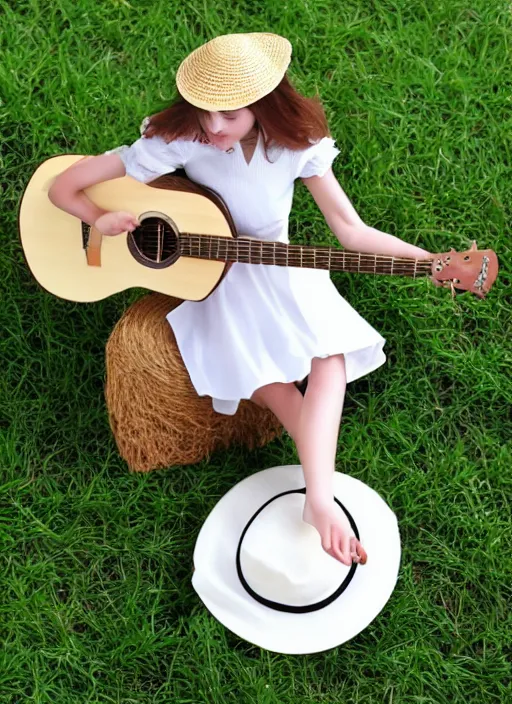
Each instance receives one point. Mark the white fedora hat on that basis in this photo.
(262, 572)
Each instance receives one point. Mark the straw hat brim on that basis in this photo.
(217, 583)
(234, 70)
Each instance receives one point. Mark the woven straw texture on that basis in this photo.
(157, 418)
(233, 70)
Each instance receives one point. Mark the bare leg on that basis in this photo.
(285, 401)
(319, 428)
(313, 423)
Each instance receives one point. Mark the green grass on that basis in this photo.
(96, 601)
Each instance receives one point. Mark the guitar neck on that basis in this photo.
(252, 251)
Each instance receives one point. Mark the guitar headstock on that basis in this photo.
(475, 270)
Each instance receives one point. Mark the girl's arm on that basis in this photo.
(348, 227)
(66, 192)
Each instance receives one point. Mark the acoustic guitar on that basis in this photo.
(185, 243)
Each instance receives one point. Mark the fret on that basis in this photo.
(274, 248)
(415, 265)
(329, 262)
(392, 265)
(218, 245)
(359, 261)
(314, 257)
(261, 252)
(301, 253)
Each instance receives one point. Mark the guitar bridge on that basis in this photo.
(91, 243)
(86, 233)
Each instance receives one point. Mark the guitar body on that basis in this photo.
(53, 240)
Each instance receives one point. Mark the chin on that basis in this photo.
(222, 143)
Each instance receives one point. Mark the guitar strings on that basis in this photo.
(363, 268)
(348, 263)
(208, 240)
(238, 247)
(318, 258)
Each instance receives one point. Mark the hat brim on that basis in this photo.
(216, 581)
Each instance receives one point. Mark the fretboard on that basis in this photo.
(252, 251)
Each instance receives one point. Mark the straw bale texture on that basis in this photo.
(157, 418)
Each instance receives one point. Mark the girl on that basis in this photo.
(241, 129)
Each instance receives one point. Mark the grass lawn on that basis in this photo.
(96, 601)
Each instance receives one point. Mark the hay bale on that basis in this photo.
(155, 414)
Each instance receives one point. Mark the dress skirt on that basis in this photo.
(265, 324)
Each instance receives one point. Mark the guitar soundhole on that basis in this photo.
(155, 243)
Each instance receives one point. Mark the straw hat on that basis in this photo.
(262, 572)
(233, 70)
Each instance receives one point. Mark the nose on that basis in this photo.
(216, 123)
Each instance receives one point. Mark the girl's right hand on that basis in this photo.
(116, 222)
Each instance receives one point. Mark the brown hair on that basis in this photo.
(287, 118)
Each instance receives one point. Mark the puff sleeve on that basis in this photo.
(316, 159)
(150, 157)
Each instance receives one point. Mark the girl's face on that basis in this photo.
(225, 128)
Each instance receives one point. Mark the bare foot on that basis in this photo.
(335, 532)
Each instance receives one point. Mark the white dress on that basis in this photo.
(263, 323)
